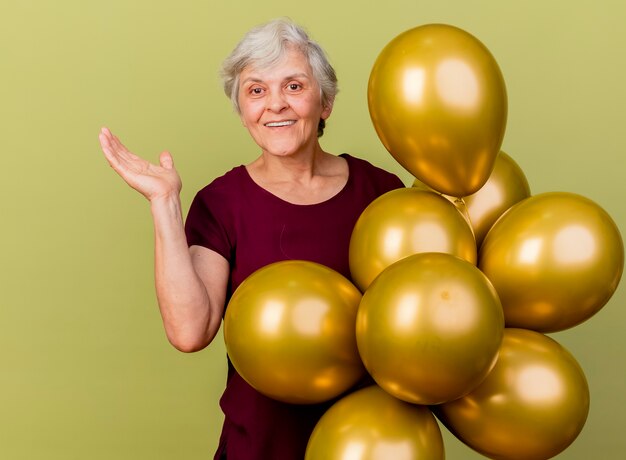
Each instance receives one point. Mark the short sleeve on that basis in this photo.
(206, 224)
(371, 180)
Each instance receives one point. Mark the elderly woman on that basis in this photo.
(295, 201)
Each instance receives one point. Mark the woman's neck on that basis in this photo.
(302, 179)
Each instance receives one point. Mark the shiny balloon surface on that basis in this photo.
(404, 222)
(555, 260)
(438, 102)
(532, 405)
(429, 328)
(289, 332)
(372, 425)
(506, 186)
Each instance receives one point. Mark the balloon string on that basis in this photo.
(462, 207)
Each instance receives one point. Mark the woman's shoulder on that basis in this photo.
(225, 184)
(362, 170)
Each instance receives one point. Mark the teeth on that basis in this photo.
(280, 123)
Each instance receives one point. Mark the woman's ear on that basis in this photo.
(327, 110)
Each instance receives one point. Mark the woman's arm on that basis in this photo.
(190, 282)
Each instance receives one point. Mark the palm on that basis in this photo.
(151, 180)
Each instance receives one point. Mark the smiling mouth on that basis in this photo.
(273, 124)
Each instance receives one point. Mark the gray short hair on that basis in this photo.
(264, 45)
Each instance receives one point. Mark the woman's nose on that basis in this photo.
(276, 101)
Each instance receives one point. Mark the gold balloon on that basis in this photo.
(438, 102)
(372, 425)
(429, 328)
(289, 332)
(506, 186)
(532, 405)
(404, 222)
(555, 260)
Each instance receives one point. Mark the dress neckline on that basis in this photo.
(252, 182)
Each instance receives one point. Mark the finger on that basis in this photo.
(107, 134)
(120, 149)
(166, 160)
(119, 160)
(107, 138)
(109, 150)
(116, 142)
(105, 144)
(109, 154)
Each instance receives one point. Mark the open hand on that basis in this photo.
(151, 180)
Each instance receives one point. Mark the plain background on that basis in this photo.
(86, 371)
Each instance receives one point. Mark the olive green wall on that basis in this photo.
(86, 371)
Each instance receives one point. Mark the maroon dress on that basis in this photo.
(251, 228)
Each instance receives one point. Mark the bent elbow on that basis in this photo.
(188, 344)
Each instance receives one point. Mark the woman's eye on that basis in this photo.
(256, 91)
(294, 86)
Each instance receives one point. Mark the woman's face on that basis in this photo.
(281, 105)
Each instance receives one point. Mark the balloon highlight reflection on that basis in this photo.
(555, 260)
(371, 424)
(289, 332)
(533, 404)
(438, 102)
(404, 222)
(429, 328)
(506, 186)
